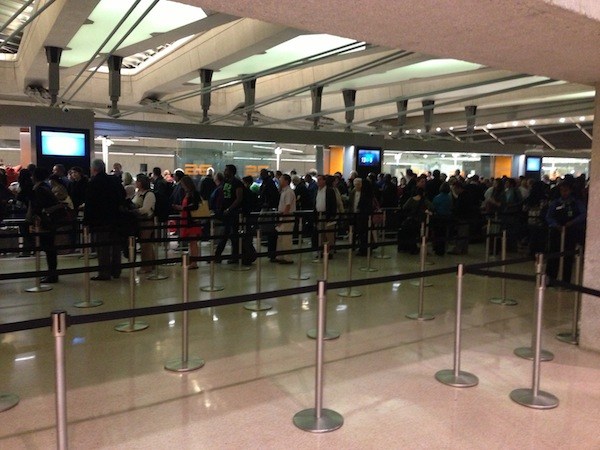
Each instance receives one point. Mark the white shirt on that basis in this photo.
(287, 197)
(321, 203)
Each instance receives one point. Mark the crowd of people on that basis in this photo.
(536, 214)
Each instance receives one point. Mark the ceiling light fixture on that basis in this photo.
(532, 122)
(515, 123)
(562, 120)
(438, 129)
(582, 118)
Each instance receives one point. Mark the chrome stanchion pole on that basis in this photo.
(561, 260)
(59, 331)
(369, 249)
(329, 334)
(419, 315)
(426, 233)
(502, 300)
(572, 337)
(156, 275)
(422, 282)
(495, 238)
(382, 254)
(349, 292)
(239, 267)
(319, 419)
(39, 287)
(299, 275)
(87, 303)
(488, 229)
(258, 305)
(212, 287)
(455, 377)
(131, 325)
(529, 352)
(319, 228)
(165, 235)
(185, 364)
(534, 397)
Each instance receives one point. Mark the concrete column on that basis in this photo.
(349, 102)
(114, 83)
(401, 107)
(428, 106)
(589, 337)
(206, 80)
(471, 113)
(53, 55)
(316, 95)
(320, 158)
(249, 99)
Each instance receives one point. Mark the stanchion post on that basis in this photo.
(156, 275)
(561, 260)
(299, 275)
(319, 419)
(59, 331)
(529, 352)
(488, 229)
(382, 228)
(455, 377)
(185, 364)
(349, 292)
(502, 300)
(258, 305)
(212, 287)
(419, 315)
(369, 249)
(329, 333)
(87, 302)
(131, 325)
(572, 337)
(422, 282)
(39, 287)
(534, 397)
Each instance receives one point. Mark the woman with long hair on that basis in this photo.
(145, 201)
(189, 227)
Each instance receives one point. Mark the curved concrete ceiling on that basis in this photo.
(554, 38)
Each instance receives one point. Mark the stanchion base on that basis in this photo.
(301, 277)
(8, 401)
(464, 379)
(416, 316)
(329, 334)
(212, 288)
(418, 283)
(307, 420)
(568, 337)
(525, 397)
(528, 353)
(257, 306)
(382, 257)
(503, 301)
(349, 293)
(240, 268)
(184, 366)
(40, 288)
(126, 327)
(369, 269)
(157, 277)
(90, 304)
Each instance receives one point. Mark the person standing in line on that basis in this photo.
(286, 209)
(233, 194)
(190, 228)
(104, 195)
(145, 202)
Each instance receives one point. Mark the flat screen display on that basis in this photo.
(62, 143)
(367, 157)
(534, 164)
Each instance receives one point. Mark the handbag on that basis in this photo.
(202, 211)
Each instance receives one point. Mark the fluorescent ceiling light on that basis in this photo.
(224, 141)
(162, 155)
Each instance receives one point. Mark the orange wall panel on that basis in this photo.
(336, 159)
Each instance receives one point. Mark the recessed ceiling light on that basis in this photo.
(451, 128)
(418, 130)
(425, 156)
(562, 120)
(390, 133)
(438, 129)
(532, 122)
(407, 132)
(582, 118)
(489, 125)
(515, 123)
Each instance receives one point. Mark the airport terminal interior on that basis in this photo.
(478, 87)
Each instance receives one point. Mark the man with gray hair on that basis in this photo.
(103, 196)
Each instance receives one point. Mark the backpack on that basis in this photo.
(162, 192)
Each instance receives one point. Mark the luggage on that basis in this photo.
(9, 240)
(248, 251)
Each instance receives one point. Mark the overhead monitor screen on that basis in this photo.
(368, 157)
(62, 143)
(534, 163)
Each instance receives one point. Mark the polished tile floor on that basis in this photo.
(260, 366)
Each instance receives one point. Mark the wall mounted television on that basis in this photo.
(368, 157)
(65, 142)
(533, 164)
